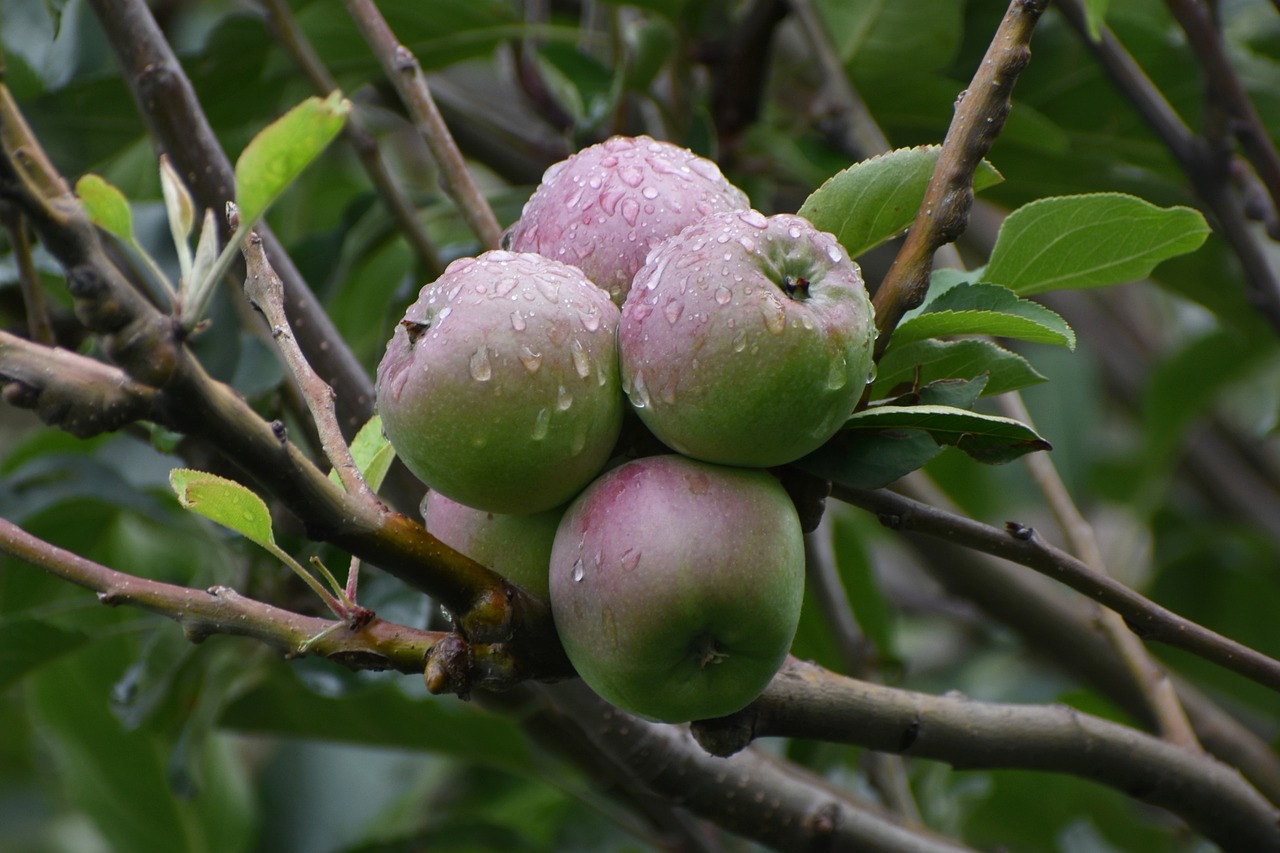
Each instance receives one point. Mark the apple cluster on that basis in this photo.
(637, 279)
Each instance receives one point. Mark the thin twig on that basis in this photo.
(405, 73)
(167, 102)
(221, 610)
(266, 293)
(1205, 39)
(806, 701)
(980, 114)
(1209, 176)
(1154, 682)
(1022, 545)
(282, 24)
(33, 301)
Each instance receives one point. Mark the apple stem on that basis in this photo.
(797, 288)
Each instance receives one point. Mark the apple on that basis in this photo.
(676, 585)
(518, 547)
(746, 339)
(604, 207)
(500, 387)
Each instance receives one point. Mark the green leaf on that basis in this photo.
(181, 209)
(875, 200)
(226, 502)
(1095, 15)
(986, 309)
(917, 363)
(107, 206)
(885, 38)
(871, 458)
(1089, 241)
(278, 154)
(27, 644)
(380, 716)
(988, 438)
(372, 453)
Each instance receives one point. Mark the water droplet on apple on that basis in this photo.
(505, 286)
(578, 572)
(673, 310)
(517, 321)
(794, 232)
(638, 393)
(541, 424)
(775, 319)
(632, 176)
(629, 560)
(481, 370)
(723, 295)
(740, 341)
(754, 218)
(581, 362)
(549, 288)
(630, 210)
(529, 358)
(834, 253)
(649, 193)
(564, 399)
(590, 318)
(838, 375)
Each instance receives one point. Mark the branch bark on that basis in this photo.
(980, 114)
(807, 701)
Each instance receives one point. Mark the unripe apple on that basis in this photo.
(746, 339)
(603, 208)
(676, 585)
(518, 547)
(499, 388)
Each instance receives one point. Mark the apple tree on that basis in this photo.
(698, 426)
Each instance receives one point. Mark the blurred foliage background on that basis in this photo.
(1163, 421)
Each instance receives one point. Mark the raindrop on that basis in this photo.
(649, 193)
(673, 311)
(807, 322)
(530, 359)
(549, 288)
(630, 210)
(590, 318)
(740, 341)
(833, 252)
(578, 571)
(517, 321)
(480, 367)
(754, 218)
(564, 399)
(581, 363)
(505, 286)
(541, 424)
(723, 295)
(794, 232)
(632, 176)
(838, 376)
(775, 320)
(747, 243)
(638, 393)
(630, 559)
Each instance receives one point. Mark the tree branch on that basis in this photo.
(1152, 680)
(282, 25)
(1208, 174)
(1022, 545)
(405, 73)
(168, 104)
(221, 610)
(980, 114)
(806, 701)
(751, 794)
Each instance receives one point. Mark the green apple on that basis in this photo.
(676, 585)
(518, 547)
(746, 339)
(500, 387)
